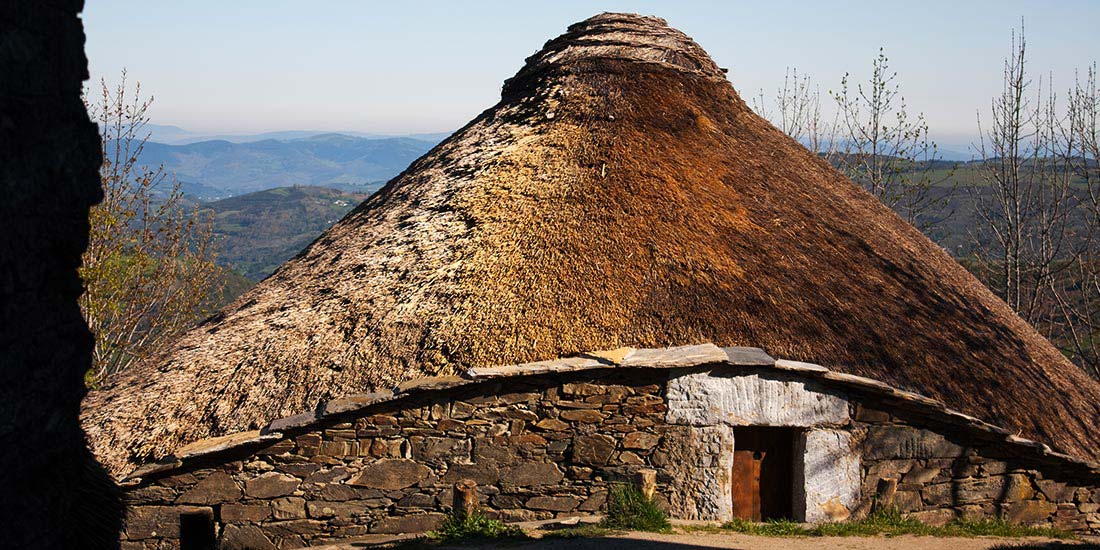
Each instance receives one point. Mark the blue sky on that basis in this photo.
(244, 66)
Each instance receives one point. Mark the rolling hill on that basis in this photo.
(261, 230)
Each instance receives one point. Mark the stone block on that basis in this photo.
(415, 523)
(416, 500)
(387, 448)
(592, 450)
(308, 444)
(870, 414)
(1056, 491)
(334, 449)
(581, 389)
(987, 488)
(553, 503)
(214, 488)
(1030, 511)
(244, 537)
(483, 473)
(493, 450)
(594, 503)
(779, 399)
(281, 529)
(583, 416)
(551, 425)
(640, 440)
(297, 469)
(972, 512)
(534, 474)
(289, 508)
(830, 469)
(320, 509)
(938, 494)
(271, 485)
(888, 469)
(338, 491)
(894, 442)
(329, 475)
(144, 522)
(938, 517)
(391, 474)
(1018, 487)
(150, 494)
(920, 475)
(908, 501)
(438, 449)
(244, 513)
(462, 410)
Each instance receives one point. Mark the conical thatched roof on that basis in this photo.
(621, 193)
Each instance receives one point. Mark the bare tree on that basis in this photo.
(1078, 294)
(884, 150)
(149, 267)
(797, 111)
(1026, 206)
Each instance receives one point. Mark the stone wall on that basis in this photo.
(938, 476)
(549, 445)
(55, 494)
(543, 448)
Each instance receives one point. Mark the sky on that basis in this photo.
(245, 66)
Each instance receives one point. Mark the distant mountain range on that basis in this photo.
(217, 169)
(174, 135)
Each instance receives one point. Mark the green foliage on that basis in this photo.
(474, 527)
(581, 532)
(629, 508)
(892, 523)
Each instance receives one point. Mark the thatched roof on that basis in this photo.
(620, 194)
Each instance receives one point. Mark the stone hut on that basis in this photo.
(621, 196)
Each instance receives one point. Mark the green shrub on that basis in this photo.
(458, 527)
(628, 508)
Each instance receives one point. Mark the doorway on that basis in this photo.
(763, 471)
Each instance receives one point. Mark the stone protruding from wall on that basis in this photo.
(55, 494)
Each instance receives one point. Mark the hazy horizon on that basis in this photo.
(428, 67)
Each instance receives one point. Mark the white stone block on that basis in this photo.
(702, 399)
(830, 472)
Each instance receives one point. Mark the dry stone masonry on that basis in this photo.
(547, 440)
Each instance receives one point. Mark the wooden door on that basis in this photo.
(746, 484)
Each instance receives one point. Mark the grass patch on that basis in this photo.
(583, 531)
(629, 509)
(892, 523)
(474, 527)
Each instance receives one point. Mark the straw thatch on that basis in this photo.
(620, 194)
